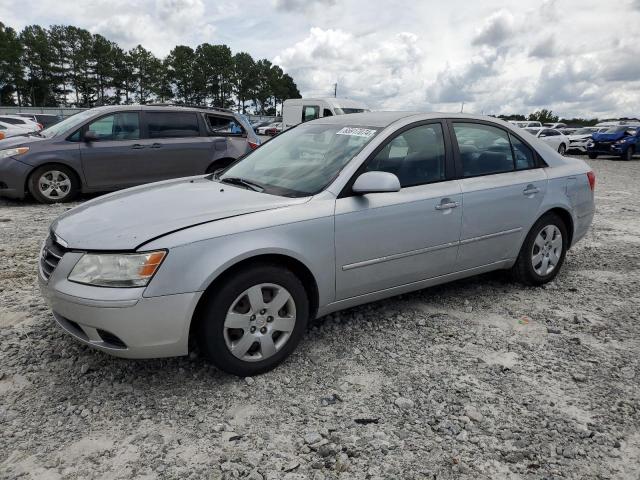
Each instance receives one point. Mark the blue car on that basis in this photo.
(621, 141)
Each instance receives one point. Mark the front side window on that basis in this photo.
(484, 150)
(172, 124)
(416, 156)
(226, 125)
(310, 112)
(119, 126)
(301, 161)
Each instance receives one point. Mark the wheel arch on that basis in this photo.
(52, 163)
(566, 217)
(297, 267)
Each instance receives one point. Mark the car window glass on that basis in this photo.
(416, 156)
(12, 121)
(327, 113)
(310, 113)
(119, 126)
(2, 127)
(524, 155)
(172, 124)
(483, 149)
(227, 125)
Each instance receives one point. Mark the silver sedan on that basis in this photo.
(333, 213)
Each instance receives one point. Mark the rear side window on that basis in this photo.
(310, 112)
(172, 124)
(228, 125)
(484, 150)
(416, 156)
(119, 126)
(524, 155)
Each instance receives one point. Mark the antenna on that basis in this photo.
(335, 90)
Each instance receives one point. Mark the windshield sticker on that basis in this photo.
(357, 132)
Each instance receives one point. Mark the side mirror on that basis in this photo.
(90, 136)
(376, 182)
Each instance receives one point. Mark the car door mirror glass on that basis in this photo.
(376, 182)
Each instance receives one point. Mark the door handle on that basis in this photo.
(156, 145)
(447, 205)
(137, 146)
(531, 190)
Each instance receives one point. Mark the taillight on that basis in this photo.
(40, 126)
(592, 180)
(253, 145)
(1, 135)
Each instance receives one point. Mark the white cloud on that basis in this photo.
(496, 29)
(301, 5)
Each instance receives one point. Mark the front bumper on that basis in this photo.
(607, 149)
(119, 321)
(13, 177)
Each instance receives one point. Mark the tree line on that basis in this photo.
(547, 116)
(71, 67)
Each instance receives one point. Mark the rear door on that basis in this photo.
(178, 144)
(384, 240)
(229, 130)
(503, 184)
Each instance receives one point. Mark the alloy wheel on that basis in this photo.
(54, 184)
(547, 250)
(259, 322)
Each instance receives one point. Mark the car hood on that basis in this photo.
(127, 219)
(609, 137)
(20, 141)
(586, 136)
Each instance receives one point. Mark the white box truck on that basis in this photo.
(298, 110)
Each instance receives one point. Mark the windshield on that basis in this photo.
(344, 111)
(583, 131)
(67, 124)
(615, 129)
(301, 161)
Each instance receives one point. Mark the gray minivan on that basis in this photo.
(113, 147)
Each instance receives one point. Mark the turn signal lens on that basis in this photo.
(592, 180)
(151, 264)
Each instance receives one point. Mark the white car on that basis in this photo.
(527, 124)
(8, 130)
(579, 138)
(555, 125)
(275, 125)
(551, 136)
(22, 122)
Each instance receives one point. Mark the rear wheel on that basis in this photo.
(543, 251)
(53, 184)
(254, 320)
(593, 156)
(628, 154)
(562, 149)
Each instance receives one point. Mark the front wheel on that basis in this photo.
(53, 184)
(254, 320)
(562, 149)
(543, 251)
(593, 156)
(628, 154)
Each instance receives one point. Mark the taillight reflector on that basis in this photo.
(592, 180)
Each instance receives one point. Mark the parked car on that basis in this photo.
(17, 121)
(556, 125)
(579, 138)
(44, 119)
(526, 124)
(551, 136)
(11, 130)
(273, 126)
(621, 141)
(114, 147)
(299, 110)
(334, 213)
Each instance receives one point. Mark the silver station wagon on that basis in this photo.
(333, 213)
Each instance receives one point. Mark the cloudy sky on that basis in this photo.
(576, 57)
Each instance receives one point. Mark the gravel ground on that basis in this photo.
(480, 378)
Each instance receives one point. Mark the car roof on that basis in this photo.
(384, 119)
(160, 107)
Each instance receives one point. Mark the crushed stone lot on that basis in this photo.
(481, 378)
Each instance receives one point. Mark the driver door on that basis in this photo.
(384, 240)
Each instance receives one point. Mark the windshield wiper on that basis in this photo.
(256, 187)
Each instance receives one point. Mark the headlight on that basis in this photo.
(117, 270)
(13, 152)
(622, 140)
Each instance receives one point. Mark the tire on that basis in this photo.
(593, 156)
(229, 320)
(562, 149)
(62, 182)
(628, 155)
(542, 242)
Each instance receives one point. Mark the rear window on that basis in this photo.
(172, 124)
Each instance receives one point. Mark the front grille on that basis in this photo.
(603, 145)
(52, 253)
